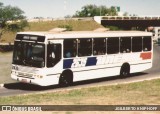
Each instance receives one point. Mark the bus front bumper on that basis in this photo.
(45, 81)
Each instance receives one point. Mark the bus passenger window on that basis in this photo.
(53, 54)
(136, 44)
(147, 44)
(70, 48)
(125, 44)
(99, 46)
(112, 45)
(84, 47)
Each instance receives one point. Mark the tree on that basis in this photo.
(126, 14)
(93, 10)
(15, 16)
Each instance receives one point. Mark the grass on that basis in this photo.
(8, 37)
(5, 69)
(140, 93)
(77, 25)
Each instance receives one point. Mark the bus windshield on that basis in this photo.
(29, 54)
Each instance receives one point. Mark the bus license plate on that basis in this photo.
(24, 80)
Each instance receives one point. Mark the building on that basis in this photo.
(156, 33)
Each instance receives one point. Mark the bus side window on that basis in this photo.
(136, 44)
(125, 44)
(53, 54)
(84, 47)
(147, 43)
(70, 48)
(113, 45)
(99, 46)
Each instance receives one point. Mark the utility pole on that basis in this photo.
(100, 8)
(65, 8)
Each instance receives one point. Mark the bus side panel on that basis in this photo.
(108, 71)
(140, 67)
(53, 74)
(47, 80)
(96, 73)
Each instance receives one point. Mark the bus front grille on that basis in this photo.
(25, 75)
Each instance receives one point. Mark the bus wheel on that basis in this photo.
(125, 70)
(66, 78)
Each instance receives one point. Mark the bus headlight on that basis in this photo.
(14, 72)
(38, 76)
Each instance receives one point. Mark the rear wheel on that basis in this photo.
(125, 70)
(66, 79)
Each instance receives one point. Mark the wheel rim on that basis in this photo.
(125, 73)
(64, 81)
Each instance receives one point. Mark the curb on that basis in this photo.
(1, 85)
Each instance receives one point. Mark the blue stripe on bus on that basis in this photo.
(67, 63)
(91, 61)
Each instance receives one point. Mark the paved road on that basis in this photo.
(153, 73)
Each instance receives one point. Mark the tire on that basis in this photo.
(66, 79)
(125, 70)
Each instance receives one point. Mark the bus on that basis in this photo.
(50, 58)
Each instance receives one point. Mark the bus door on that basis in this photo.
(53, 54)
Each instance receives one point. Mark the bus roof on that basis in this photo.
(87, 34)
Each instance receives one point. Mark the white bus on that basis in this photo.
(48, 58)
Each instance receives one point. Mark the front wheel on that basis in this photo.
(65, 80)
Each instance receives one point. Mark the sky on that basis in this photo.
(61, 8)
